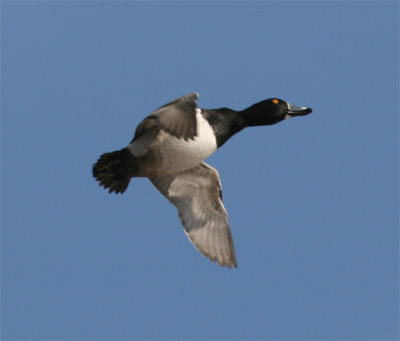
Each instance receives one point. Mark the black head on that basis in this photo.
(271, 111)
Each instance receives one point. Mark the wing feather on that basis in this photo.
(178, 118)
(197, 195)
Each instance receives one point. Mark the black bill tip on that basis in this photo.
(294, 110)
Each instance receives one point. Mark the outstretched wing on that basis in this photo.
(178, 118)
(197, 194)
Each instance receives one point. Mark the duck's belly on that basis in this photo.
(169, 155)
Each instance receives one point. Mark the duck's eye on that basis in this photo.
(275, 101)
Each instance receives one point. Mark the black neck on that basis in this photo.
(225, 123)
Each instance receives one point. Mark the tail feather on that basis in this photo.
(112, 171)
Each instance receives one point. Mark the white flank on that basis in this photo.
(179, 155)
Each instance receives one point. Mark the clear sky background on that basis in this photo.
(313, 201)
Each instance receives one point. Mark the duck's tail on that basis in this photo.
(112, 170)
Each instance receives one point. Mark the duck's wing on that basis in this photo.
(178, 118)
(197, 194)
(145, 134)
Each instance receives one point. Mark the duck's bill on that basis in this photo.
(298, 111)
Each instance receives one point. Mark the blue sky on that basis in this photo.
(313, 201)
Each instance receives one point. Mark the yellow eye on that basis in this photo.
(275, 101)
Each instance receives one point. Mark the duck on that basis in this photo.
(169, 147)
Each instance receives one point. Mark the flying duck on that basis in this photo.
(169, 148)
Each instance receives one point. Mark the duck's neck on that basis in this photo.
(225, 123)
(257, 115)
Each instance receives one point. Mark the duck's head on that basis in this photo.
(271, 111)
